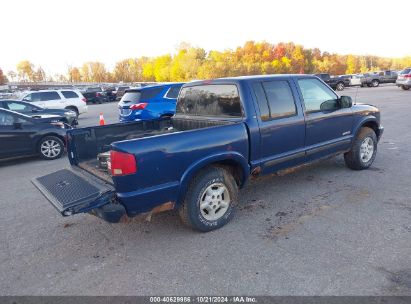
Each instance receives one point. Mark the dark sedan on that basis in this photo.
(22, 135)
(69, 116)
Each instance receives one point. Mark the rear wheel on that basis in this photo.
(210, 200)
(74, 109)
(363, 151)
(340, 86)
(375, 83)
(51, 147)
(406, 88)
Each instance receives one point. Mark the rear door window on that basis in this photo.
(45, 96)
(262, 101)
(210, 100)
(280, 99)
(150, 93)
(173, 91)
(69, 94)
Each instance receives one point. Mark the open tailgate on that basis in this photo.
(71, 191)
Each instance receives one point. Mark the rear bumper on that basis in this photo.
(137, 116)
(401, 82)
(111, 212)
(82, 109)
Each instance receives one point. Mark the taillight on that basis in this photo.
(122, 163)
(98, 94)
(407, 76)
(84, 99)
(138, 106)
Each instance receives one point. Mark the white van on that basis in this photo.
(57, 99)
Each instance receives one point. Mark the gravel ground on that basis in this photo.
(321, 230)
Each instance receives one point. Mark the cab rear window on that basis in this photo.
(210, 100)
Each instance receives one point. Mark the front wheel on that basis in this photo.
(363, 151)
(375, 83)
(210, 200)
(51, 147)
(405, 87)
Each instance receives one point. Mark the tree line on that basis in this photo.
(188, 63)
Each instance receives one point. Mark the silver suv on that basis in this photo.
(404, 79)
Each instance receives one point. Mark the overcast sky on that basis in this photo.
(58, 33)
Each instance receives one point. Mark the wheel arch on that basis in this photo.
(51, 134)
(234, 162)
(73, 107)
(370, 122)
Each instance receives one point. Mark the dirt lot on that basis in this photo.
(323, 230)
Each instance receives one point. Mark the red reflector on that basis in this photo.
(139, 106)
(122, 163)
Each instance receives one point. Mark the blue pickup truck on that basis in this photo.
(224, 132)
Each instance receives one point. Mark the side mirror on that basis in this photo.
(18, 125)
(345, 102)
(329, 105)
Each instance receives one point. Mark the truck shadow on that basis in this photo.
(18, 161)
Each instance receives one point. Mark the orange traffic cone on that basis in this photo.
(102, 123)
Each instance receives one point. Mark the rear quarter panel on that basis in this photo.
(166, 163)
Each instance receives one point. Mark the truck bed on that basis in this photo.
(85, 144)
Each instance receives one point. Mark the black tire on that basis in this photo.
(353, 159)
(406, 88)
(190, 211)
(340, 86)
(375, 83)
(73, 109)
(50, 141)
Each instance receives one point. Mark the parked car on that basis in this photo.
(224, 131)
(404, 79)
(95, 95)
(338, 83)
(111, 93)
(354, 79)
(148, 103)
(376, 78)
(57, 99)
(67, 116)
(22, 135)
(119, 91)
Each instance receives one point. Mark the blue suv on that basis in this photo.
(148, 103)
